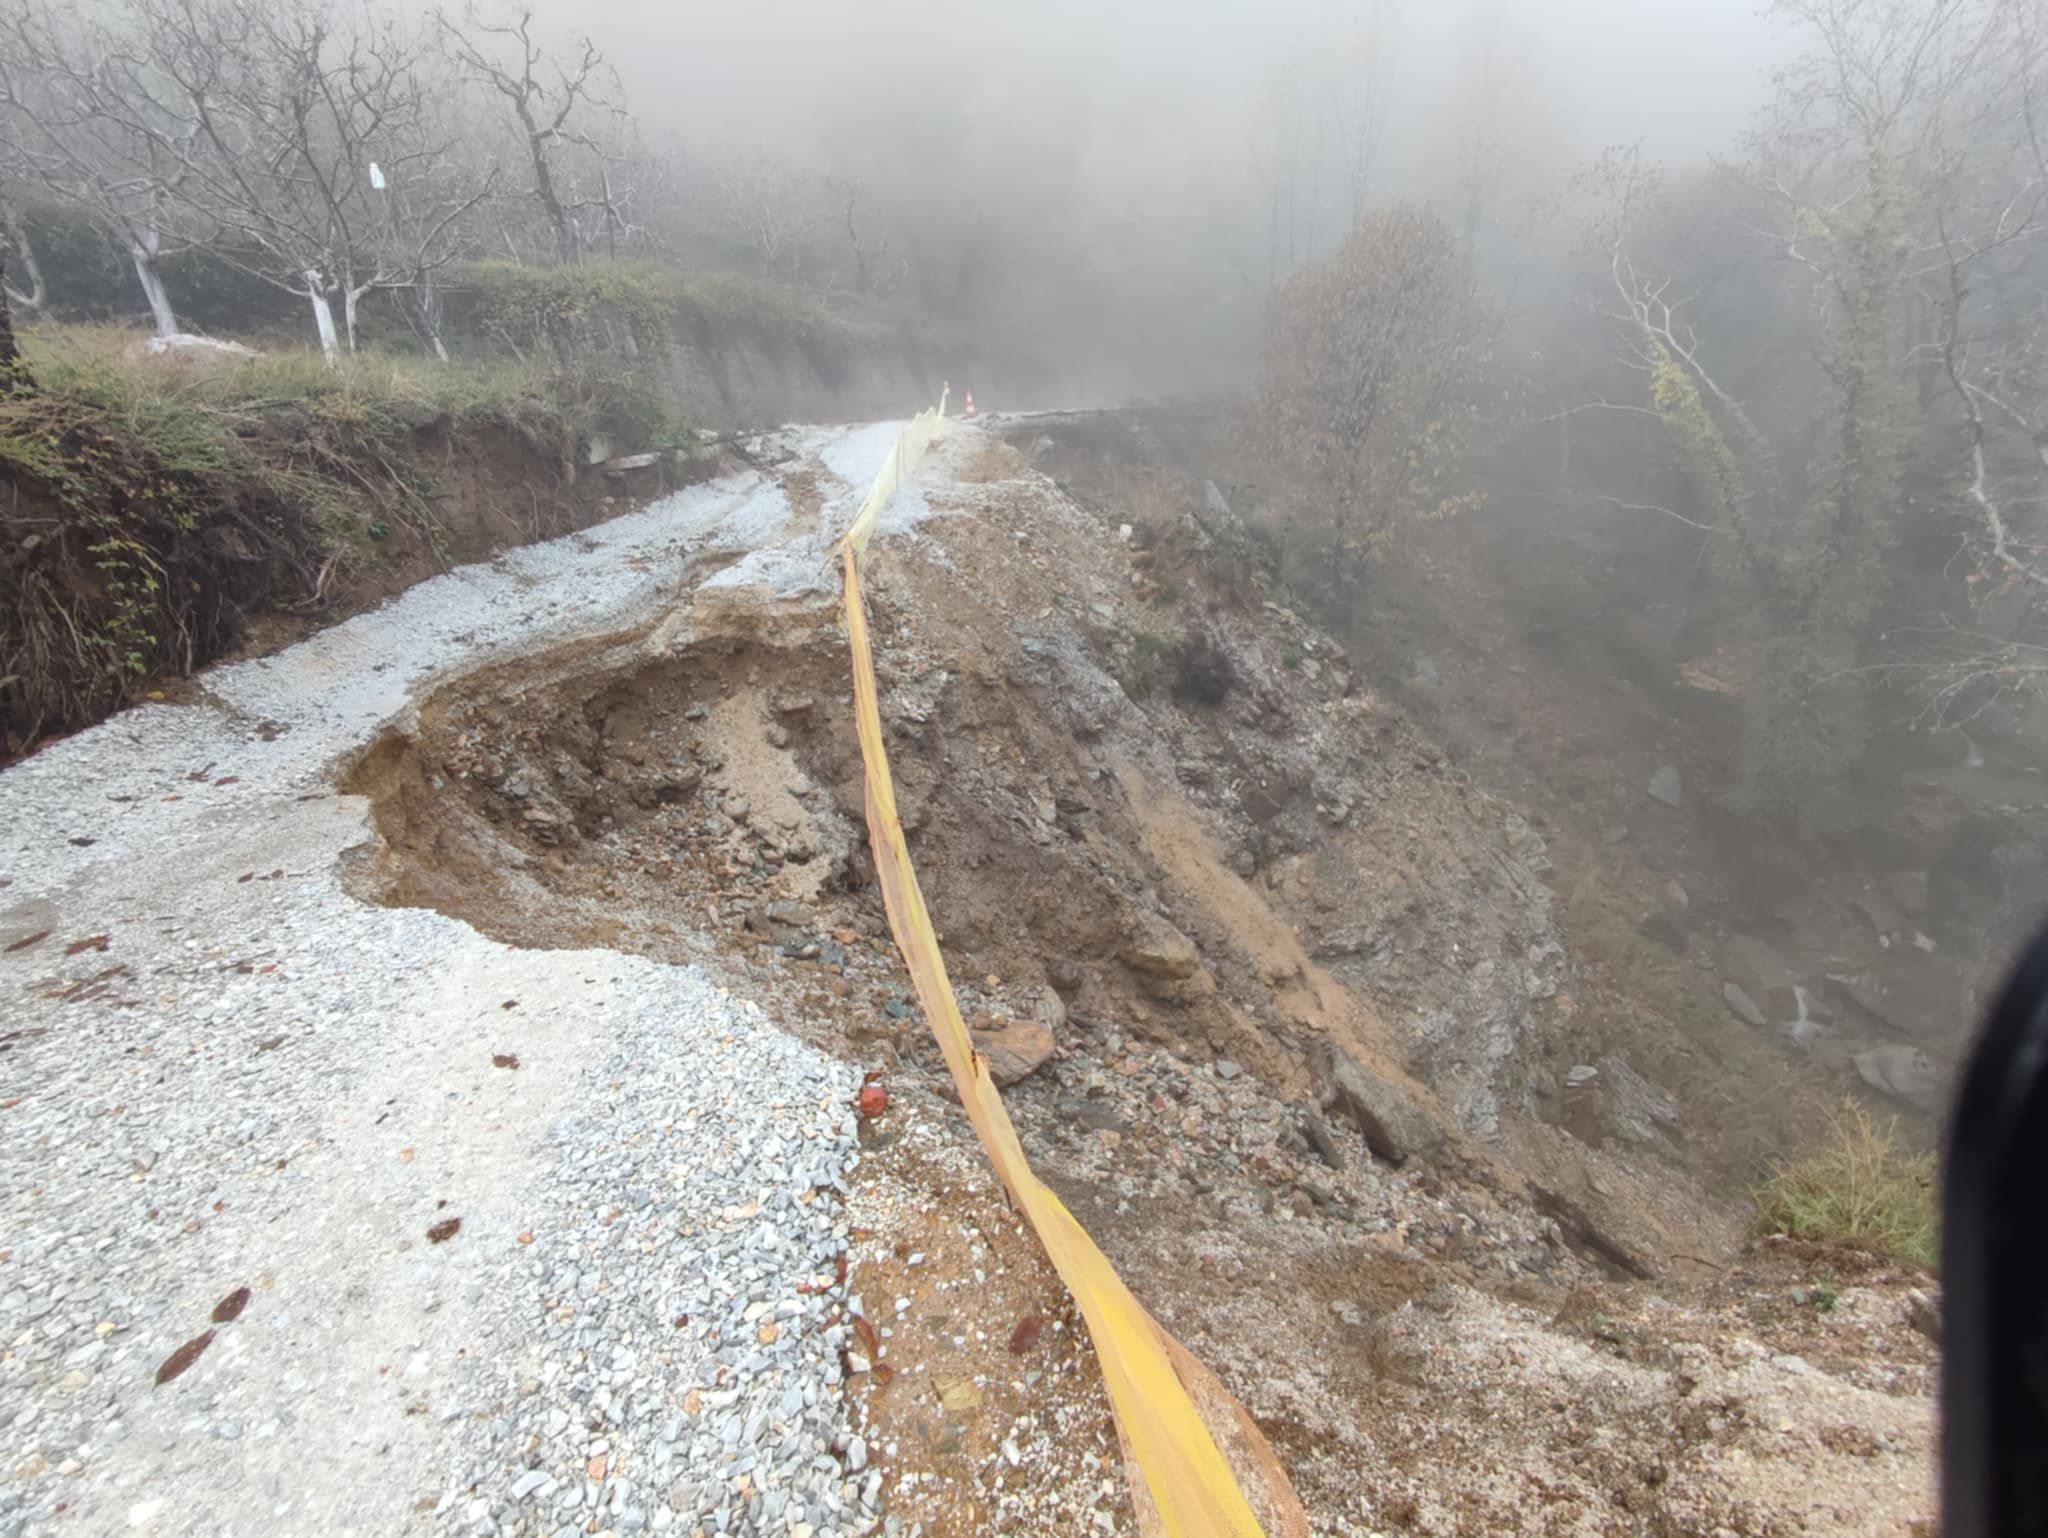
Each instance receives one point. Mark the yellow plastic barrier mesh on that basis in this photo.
(1185, 1486)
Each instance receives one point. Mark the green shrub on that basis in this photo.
(1857, 1188)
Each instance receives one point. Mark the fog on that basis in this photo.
(1167, 85)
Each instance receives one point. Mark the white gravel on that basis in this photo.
(259, 1081)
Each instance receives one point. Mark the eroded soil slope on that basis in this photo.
(1281, 996)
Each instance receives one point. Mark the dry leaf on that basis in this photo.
(768, 1334)
(1025, 1336)
(444, 1230)
(229, 1308)
(405, 1156)
(183, 1357)
(504, 1060)
(595, 1469)
(870, 1342)
(27, 940)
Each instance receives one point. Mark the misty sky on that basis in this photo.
(1681, 75)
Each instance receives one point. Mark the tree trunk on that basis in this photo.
(323, 319)
(351, 298)
(425, 310)
(544, 189)
(14, 239)
(14, 375)
(160, 313)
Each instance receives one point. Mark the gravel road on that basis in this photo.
(532, 1242)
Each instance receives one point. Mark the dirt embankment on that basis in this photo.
(124, 567)
(1282, 997)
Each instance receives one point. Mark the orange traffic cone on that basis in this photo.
(968, 410)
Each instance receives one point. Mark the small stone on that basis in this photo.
(857, 1454)
(1923, 1312)
(1664, 786)
(1226, 1069)
(228, 1431)
(528, 1482)
(1741, 1005)
(1017, 1051)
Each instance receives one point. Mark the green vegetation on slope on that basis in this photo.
(1858, 1188)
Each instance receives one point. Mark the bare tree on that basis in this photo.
(772, 211)
(1505, 135)
(315, 166)
(550, 102)
(85, 118)
(1371, 385)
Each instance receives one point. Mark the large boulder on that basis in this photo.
(1393, 1125)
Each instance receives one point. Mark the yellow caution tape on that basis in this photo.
(1153, 1380)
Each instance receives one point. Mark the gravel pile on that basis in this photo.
(323, 1218)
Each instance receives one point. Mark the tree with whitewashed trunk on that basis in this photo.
(316, 166)
(22, 262)
(81, 117)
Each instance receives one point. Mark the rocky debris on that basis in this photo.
(1049, 1009)
(1584, 1230)
(1636, 1109)
(1614, 833)
(1393, 1125)
(1908, 888)
(1665, 786)
(1742, 1006)
(1663, 929)
(1876, 1002)
(1579, 1112)
(1156, 949)
(1905, 1073)
(1317, 1133)
(1878, 911)
(1923, 1311)
(1015, 1052)
(625, 464)
(1756, 963)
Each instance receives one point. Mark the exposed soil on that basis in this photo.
(1179, 853)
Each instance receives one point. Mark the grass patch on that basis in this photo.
(1857, 1188)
